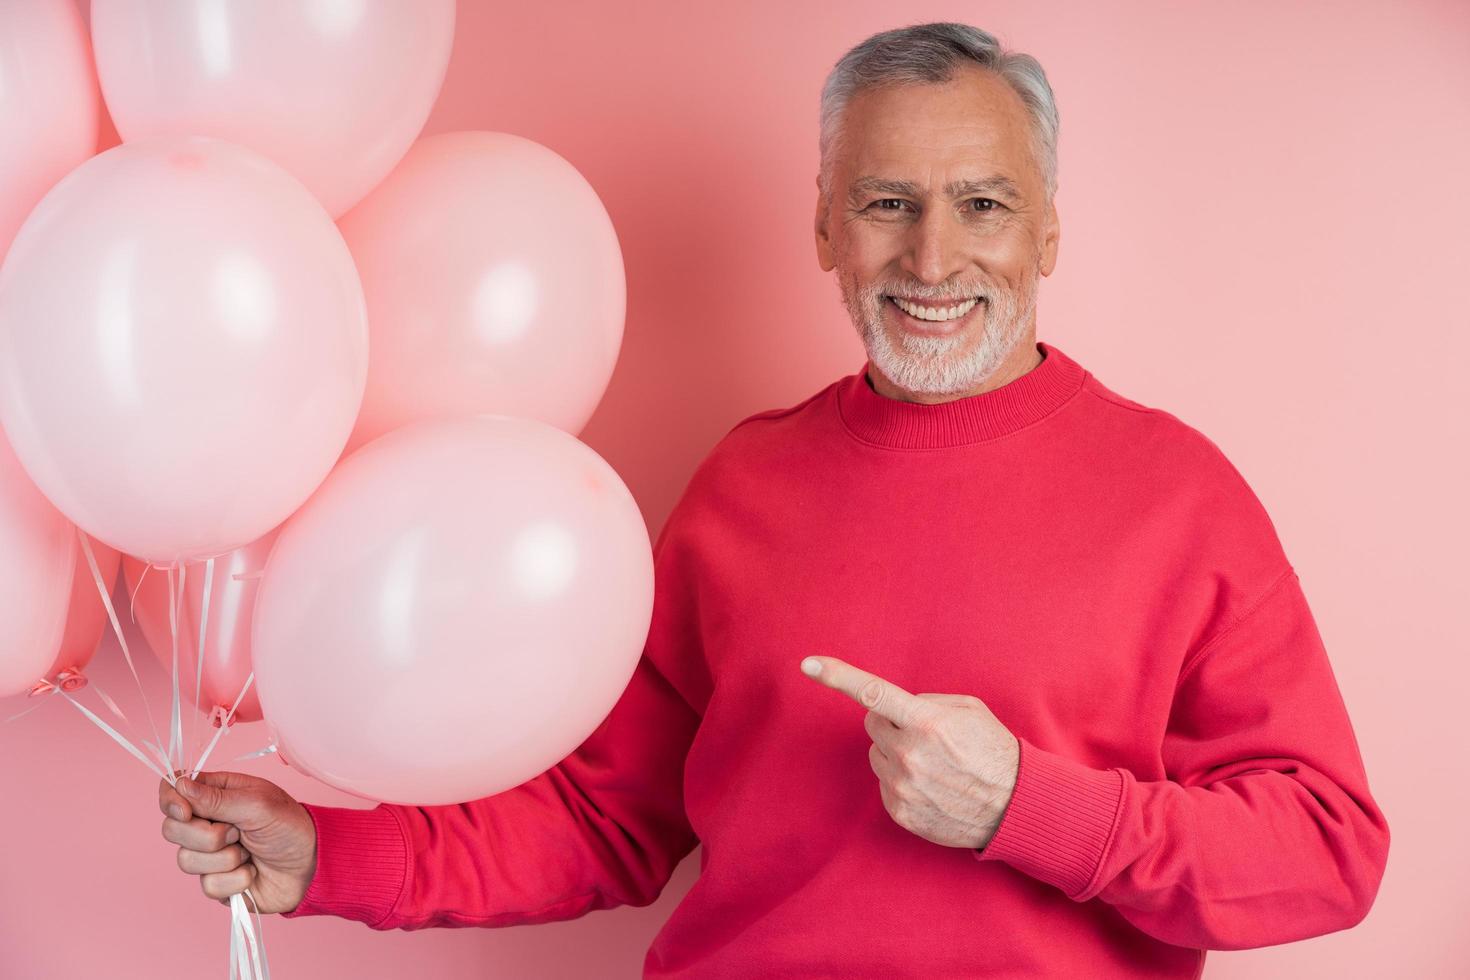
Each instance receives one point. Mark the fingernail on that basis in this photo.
(811, 666)
(176, 811)
(232, 835)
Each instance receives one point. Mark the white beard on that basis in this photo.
(942, 365)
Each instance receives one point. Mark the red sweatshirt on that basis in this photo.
(1094, 570)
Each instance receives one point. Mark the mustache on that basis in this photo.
(879, 291)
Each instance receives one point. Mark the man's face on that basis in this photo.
(937, 201)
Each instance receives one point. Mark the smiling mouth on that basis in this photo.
(940, 312)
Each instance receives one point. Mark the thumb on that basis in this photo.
(230, 797)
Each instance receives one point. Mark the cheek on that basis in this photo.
(1007, 253)
(867, 252)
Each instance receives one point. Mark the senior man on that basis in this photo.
(1139, 753)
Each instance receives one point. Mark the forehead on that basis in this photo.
(973, 125)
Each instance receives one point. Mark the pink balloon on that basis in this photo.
(455, 610)
(333, 92)
(86, 615)
(37, 552)
(183, 346)
(227, 660)
(494, 283)
(48, 103)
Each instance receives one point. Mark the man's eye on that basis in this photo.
(898, 202)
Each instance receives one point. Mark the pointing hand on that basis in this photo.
(946, 766)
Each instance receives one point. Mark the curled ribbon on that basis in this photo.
(68, 679)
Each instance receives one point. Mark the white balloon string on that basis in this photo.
(133, 600)
(111, 704)
(113, 734)
(247, 938)
(257, 753)
(22, 714)
(199, 652)
(117, 629)
(175, 724)
(265, 967)
(225, 724)
(70, 679)
(247, 949)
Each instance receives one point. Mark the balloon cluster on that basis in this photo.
(315, 383)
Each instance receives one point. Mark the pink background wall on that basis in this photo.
(1264, 208)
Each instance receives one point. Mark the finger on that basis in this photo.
(962, 700)
(878, 761)
(229, 796)
(171, 803)
(228, 883)
(200, 834)
(212, 862)
(879, 729)
(869, 690)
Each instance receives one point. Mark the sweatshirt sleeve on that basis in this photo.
(604, 827)
(1264, 831)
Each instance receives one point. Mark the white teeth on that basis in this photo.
(943, 313)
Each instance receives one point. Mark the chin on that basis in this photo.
(936, 365)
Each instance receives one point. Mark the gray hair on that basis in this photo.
(932, 53)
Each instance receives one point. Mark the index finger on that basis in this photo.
(882, 697)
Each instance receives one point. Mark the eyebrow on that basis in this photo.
(996, 184)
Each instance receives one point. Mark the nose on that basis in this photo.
(935, 248)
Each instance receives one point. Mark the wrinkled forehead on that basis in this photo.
(972, 126)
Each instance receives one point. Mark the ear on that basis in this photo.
(824, 239)
(1051, 236)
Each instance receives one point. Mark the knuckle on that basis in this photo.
(871, 693)
(927, 724)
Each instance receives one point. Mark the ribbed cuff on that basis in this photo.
(1059, 820)
(361, 863)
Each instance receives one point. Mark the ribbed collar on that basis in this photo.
(887, 421)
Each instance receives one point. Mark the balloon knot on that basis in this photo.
(67, 679)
